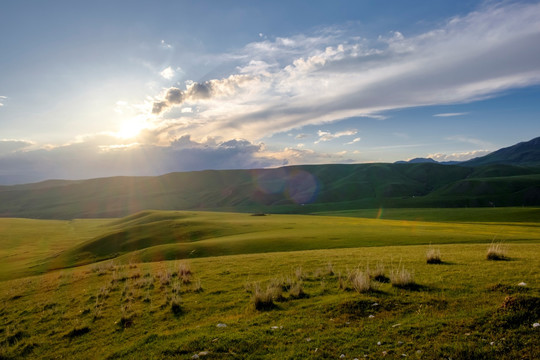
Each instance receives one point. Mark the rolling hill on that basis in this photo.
(292, 189)
(525, 153)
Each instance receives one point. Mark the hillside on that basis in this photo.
(507, 177)
(295, 189)
(525, 153)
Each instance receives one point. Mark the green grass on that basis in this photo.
(26, 243)
(458, 311)
(278, 286)
(493, 215)
(37, 246)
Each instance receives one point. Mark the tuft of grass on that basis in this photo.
(297, 291)
(496, 251)
(197, 286)
(299, 273)
(402, 278)
(176, 305)
(433, 256)
(361, 281)
(264, 299)
(378, 274)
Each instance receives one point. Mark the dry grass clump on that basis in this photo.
(102, 268)
(378, 273)
(496, 251)
(433, 256)
(263, 299)
(402, 278)
(328, 270)
(184, 272)
(361, 281)
(299, 273)
(297, 291)
(176, 304)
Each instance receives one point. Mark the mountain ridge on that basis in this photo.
(290, 189)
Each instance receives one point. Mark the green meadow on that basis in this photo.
(355, 284)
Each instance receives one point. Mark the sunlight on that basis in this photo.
(132, 127)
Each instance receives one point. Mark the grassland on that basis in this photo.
(132, 307)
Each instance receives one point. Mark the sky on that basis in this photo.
(106, 88)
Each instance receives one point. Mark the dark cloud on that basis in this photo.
(198, 91)
(7, 146)
(90, 160)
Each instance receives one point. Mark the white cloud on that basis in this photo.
(165, 45)
(168, 73)
(301, 136)
(327, 136)
(355, 140)
(458, 156)
(2, 98)
(470, 140)
(307, 80)
(451, 114)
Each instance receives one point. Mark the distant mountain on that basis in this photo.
(525, 153)
(293, 189)
(417, 161)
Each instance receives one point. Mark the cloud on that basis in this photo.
(327, 136)
(355, 140)
(451, 114)
(301, 136)
(104, 155)
(8, 145)
(199, 91)
(470, 140)
(290, 82)
(165, 45)
(167, 73)
(2, 98)
(458, 156)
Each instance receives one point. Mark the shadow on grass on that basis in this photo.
(414, 287)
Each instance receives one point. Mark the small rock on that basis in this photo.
(308, 339)
(371, 316)
(342, 356)
(404, 355)
(522, 284)
(203, 353)
(274, 327)
(492, 343)
(220, 325)
(195, 356)
(375, 304)
(536, 324)
(384, 353)
(379, 343)
(467, 334)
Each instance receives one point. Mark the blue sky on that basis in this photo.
(104, 88)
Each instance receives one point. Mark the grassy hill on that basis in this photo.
(525, 153)
(37, 246)
(296, 189)
(175, 284)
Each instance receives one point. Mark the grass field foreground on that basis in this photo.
(467, 307)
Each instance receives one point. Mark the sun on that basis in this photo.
(131, 128)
